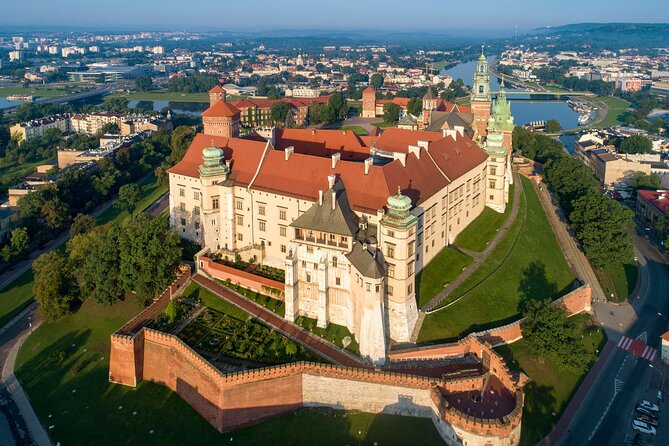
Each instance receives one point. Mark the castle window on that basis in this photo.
(261, 225)
(334, 262)
(368, 286)
(389, 290)
(197, 225)
(239, 205)
(183, 222)
(308, 277)
(282, 214)
(310, 249)
(261, 209)
(391, 270)
(491, 184)
(391, 233)
(412, 247)
(182, 206)
(304, 264)
(493, 170)
(240, 220)
(480, 88)
(390, 251)
(410, 268)
(410, 288)
(282, 231)
(492, 197)
(182, 192)
(240, 237)
(338, 281)
(214, 203)
(283, 249)
(196, 195)
(213, 222)
(196, 210)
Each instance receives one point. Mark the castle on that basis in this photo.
(351, 219)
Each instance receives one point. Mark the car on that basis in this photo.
(643, 411)
(648, 420)
(650, 406)
(643, 427)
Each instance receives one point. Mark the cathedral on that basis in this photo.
(350, 219)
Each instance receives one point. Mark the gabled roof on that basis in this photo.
(398, 140)
(367, 263)
(369, 90)
(217, 89)
(322, 142)
(220, 109)
(429, 94)
(334, 215)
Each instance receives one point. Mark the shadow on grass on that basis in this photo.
(632, 274)
(538, 418)
(534, 285)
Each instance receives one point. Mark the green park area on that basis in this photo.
(442, 269)
(64, 366)
(481, 231)
(18, 294)
(355, 129)
(527, 264)
(616, 110)
(552, 384)
(35, 91)
(12, 173)
(618, 281)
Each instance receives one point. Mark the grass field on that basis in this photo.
(196, 292)
(618, 281)
(552, 385)
(356, 129)
(478, 233)
(63, 366)
(18, 294)
(617, 107)
(35, 91)
(533, 268)
(383, 124)
(172, 96)
(443, 268)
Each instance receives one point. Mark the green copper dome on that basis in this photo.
(399, 207)
(213, 162)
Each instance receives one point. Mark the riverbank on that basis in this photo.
(171, 96)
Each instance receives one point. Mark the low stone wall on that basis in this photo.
(575, 302)
(247, 280)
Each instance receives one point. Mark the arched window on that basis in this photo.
(480, 88)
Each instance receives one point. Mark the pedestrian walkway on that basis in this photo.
(637, 348)
(292, 331)
(479, 257)
(577, 261)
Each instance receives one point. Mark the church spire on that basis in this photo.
(481, 81)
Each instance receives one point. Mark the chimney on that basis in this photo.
(320, 198)
(334, 200)
(331, 180)
(335, 158)
(289, 151)
(368, 164)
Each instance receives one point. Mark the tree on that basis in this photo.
(180, 140)
(53, 286)
(636, 144)
(18, 245)
(376, 81)
(128, 197)
(415, 106)
(339, 105)
(115, 104)
(110, 128)
(144, 83)
(550, 333)
(172, 311)
(279, 111)
(81, 224)
(326, 114)
(391, 113)
(291, 348)
(642, 180)
(553, 126)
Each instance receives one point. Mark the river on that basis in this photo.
(524, 110)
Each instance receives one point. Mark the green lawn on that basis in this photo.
(151, 191)
(63, 367)
(532, 269)
(617, 107)
(10, 175)
(443, 268)
(478, 233)
(618, 281)
(333, 333)
(552, 384)
(195, 292)
(355, 128)
(16, 297)
(35, 91)
(383, 124)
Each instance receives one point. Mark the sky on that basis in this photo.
(444, 16)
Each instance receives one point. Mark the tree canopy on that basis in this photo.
(391, 113)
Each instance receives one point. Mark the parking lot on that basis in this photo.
(656, 383)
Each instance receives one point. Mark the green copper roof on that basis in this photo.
(213, 162)
(501, 117)
(399, 207)
(481, 82)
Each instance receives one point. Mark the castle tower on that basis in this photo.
(369, 103)
(221, 119)
(480, 97)
(398, 236)
(213, 197)
(217, 93)
(429, 104)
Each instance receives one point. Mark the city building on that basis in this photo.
(37, 127)
(651, 206)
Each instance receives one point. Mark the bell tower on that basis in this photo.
(480, 97)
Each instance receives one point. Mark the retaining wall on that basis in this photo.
(243, 278)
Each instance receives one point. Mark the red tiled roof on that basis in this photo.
(243, 103)
(653, 197)
(217, 89)
(369, 90)
(456, 157)
(267, 103)
(665, 336)
(322, 142)
(397, 140)
(220, 109)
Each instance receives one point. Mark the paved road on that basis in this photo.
(604, 414)
(68, 97)
(26, 428)
(290, 330)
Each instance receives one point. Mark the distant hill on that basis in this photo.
(599, 36)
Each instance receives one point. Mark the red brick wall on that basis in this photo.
(247, 280)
